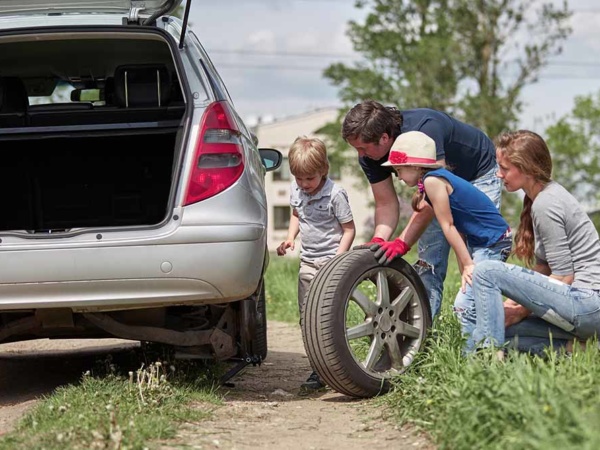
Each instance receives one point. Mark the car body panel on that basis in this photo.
(20, 7)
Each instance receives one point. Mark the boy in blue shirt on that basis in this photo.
(321, 214)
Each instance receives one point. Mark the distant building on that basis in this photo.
(280, 134)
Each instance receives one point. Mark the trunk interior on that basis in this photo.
(89, 129)
(60, 183)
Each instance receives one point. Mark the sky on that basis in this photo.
(271, 55)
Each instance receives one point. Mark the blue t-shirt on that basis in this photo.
(473, 212)
(469, 153)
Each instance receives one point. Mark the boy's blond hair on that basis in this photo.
(308, 156)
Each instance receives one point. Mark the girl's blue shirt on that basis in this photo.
(473, 212)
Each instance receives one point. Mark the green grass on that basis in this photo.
(108, 410)
(281, 282)
(478, 403)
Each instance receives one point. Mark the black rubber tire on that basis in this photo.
(398, 324)
(259, 344)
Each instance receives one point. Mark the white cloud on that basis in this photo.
(585, 30)
(263, 40)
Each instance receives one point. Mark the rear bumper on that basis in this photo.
(115, 277)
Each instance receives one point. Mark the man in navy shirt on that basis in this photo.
(371, 129)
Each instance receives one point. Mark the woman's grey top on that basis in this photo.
(565, 237)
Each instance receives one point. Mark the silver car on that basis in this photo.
(133, 193)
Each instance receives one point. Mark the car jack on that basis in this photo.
(241, 364)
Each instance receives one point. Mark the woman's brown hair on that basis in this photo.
(528, 152)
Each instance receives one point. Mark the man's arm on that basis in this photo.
(387, 208)
(417, 224)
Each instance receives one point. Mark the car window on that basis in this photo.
(213, 71)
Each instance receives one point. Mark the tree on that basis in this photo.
(451, 55)
(574, 142)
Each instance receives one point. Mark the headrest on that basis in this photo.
(13, 96)
(142, 85)
(109, 91)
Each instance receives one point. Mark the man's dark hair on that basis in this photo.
(369, 120)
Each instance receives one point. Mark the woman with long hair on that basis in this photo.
(558, 300)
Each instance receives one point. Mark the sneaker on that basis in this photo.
(313, 383)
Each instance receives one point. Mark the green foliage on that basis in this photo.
(575, 147)
(504, 44)
(522, 403)
(470, 58)
(477, 402)
(407, 49)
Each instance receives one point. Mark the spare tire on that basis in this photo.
(363, 323)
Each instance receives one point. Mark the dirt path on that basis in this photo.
(263, 410)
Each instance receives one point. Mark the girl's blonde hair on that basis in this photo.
(528, 152)
(308, 156)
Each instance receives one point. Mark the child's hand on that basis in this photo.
(284, 246)
(467, 277)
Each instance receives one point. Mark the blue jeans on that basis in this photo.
(533, 335)
(464, 303)
(573, 310)
(434, 248)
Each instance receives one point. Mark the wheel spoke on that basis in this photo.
(361, 330)
(407, 329)
(374, 352)
(408, 358)
(395, 353)
(369, 307)
(402, 300)
(383, 290)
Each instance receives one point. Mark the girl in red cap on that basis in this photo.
(470, 221)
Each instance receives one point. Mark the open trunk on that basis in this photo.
(89, 125)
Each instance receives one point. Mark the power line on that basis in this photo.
(280, 53)
(347, 55)
(320, 69)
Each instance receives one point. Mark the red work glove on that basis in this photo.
(374, 241)
(387, 251)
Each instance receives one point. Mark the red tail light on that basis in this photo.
(219, 155)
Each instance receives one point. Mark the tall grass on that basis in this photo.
(110, 410)
(524, 402)
(477, 402)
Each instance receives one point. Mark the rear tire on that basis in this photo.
(259, 344)
(363, 323)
